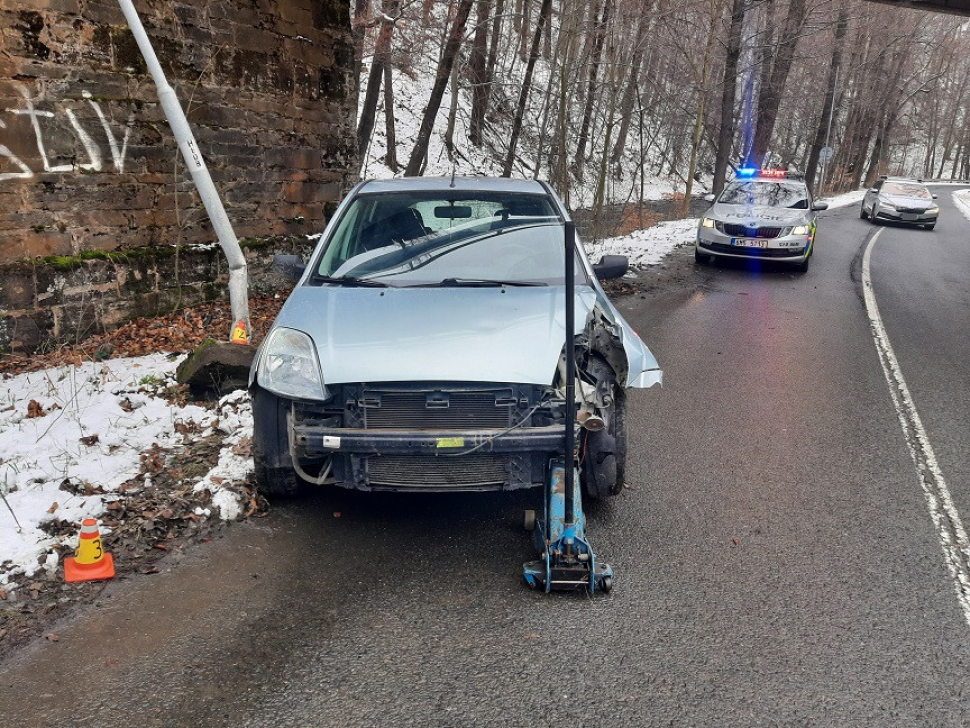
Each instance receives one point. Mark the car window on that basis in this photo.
(766, 194)
(907, 189)
(415, 238)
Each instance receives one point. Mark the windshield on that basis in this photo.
(903, 189)
(426, 238)
(765, 194)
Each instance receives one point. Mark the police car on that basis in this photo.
(764, 214)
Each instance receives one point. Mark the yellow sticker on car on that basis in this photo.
(451, 442)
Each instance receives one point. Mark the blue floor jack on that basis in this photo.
(566, 561)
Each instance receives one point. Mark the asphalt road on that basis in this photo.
(776, 559)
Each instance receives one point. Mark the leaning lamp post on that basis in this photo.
(238, 277)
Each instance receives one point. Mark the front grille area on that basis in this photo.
(437, 410)
(753, 252)
(741, 231)
(466, 472)
(370, 426)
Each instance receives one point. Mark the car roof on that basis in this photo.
(911, 180)
(435, 184)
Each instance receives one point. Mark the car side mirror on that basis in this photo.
(611, 266)
(291, 266)
(873, 189)
(709, 198)
(819, 206)
(935, 196)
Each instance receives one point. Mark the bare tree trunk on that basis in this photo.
(526, 87)
(365, 127)
(773, 90)
(359, 30)
(559, 171)
(524, 29)
(452, 114)
(599, 38)
(725, 135)
(630, 94)
(476, 73)
(497, 23)
(699, 120)
(420, 152)
(391, 157)
(828, 104)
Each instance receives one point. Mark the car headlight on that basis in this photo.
(800, 230)
(288, 366)
(707, 222)
(933, 210)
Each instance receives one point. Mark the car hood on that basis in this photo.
(912, 203)
(759, 216)
(512, 334)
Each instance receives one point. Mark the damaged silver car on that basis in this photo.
(423, 347)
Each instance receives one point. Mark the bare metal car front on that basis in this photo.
(422, 348)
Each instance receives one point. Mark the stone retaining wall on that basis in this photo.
(65, 300)
(88, 162)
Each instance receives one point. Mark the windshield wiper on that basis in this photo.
(476, 283)
(350, 281)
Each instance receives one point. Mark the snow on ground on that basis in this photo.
(961, 199)
(86, 428)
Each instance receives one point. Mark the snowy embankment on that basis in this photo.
(961, 198)
(75, 438)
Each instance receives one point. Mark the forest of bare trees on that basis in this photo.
(603, 94)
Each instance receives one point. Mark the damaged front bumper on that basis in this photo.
(421, 439)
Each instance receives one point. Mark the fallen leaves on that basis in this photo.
(35, 409)
(179, 331)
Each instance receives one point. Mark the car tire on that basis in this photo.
(872, 215)
(273, 466)
(700, 258)
(862, 212)
(612, 473)
(803, 266)
(930, 226)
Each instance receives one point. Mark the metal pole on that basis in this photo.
(238, 278)
(570, 370)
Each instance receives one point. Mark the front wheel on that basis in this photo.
(872, 215)
(930, 226)
(272, 464)
(604, 452)
(862, 212)
(700, 258)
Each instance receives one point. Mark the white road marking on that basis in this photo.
(946, 519)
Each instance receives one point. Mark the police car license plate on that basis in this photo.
(749, 243)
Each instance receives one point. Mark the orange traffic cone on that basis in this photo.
(240, 334)
(90, 562)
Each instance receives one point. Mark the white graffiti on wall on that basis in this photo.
(91, 149)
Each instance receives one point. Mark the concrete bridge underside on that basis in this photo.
(954, 7)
